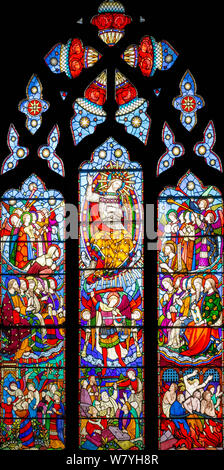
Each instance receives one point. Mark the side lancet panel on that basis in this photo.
(190, 306)
(32, 339)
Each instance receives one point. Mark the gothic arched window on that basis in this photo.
(109, 122)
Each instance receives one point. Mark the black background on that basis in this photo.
(27, 33)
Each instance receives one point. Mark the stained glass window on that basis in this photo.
(109, 117)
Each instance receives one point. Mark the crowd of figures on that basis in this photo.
(29, 238)
(190, 314)
(192, 234)
(112, 409)
(112, 330)
(191, 410)
(33, 411)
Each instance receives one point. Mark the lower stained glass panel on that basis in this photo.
(107, 391)
(32, 412)
(190, 408)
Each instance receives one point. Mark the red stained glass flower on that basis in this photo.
(95, 94)
(76, 58)
(125, 94)
(103, 21)
(145, 56)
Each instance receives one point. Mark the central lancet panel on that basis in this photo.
(111, 362)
